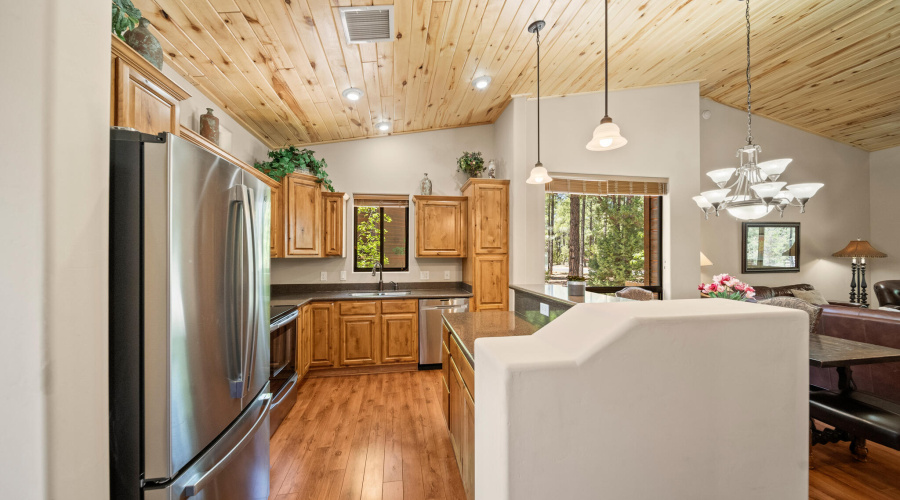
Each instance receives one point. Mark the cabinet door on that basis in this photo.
(321, 334)
(276, 241)
(304, 216)
(445, 379)
(143, 105)
(305, 345)
(399, 338)
(441, 227)
(468, 445)
(333, 231)
(457, 412)
(491, 287)
(491, 218)
(359, 340)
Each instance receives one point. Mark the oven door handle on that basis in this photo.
(283, 321)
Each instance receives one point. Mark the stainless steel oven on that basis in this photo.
(283, 362)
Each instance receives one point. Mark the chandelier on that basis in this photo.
(755, 192)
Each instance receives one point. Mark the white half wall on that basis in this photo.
(837, 214)
(391, 165)
(884, 181)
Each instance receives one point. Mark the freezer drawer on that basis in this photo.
(235, 467)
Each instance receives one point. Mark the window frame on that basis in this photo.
(356, 268)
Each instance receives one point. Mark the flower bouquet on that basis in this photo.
(725, 286)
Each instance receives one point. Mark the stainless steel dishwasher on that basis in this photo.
(430, 311)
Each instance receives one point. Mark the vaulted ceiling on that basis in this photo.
(831, 67)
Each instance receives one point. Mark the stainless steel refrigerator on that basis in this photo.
(189, 316)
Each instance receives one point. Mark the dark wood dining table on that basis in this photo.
(833, 352)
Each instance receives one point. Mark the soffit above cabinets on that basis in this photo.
(279, 66)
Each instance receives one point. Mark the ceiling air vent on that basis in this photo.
(368, 24)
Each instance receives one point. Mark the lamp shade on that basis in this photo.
(859, 248)
(539, 175)
(704, 260)
(606, 137)
(702, 202)
(774, 167)
(721, 175)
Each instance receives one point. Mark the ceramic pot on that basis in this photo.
(425, 186)
(141, 40)
(209, 126)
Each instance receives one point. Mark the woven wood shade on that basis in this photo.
(381, 200)
(859, 248)
(600, 187)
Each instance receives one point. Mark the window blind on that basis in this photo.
(381, 200)
(598, 186)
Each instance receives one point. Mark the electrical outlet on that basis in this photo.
(323, 276)
(343, 275)
(446, 275)
(422, 275)
(545, 309)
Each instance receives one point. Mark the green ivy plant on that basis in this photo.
(285, 161)
(125, 16)
(470, 163)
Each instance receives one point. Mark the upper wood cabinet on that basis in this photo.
(441, 226)
(489, 205)
(333, 225)
(276, 235)
(141, 96)
(303, 206)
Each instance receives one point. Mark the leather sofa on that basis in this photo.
(888, 293)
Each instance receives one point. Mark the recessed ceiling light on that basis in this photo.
(353, 94)
(383, 126)
(481, 82)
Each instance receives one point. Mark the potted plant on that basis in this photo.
(575, 284)
(292, 159)
(725, 286)
(125, 16)
(470, 163)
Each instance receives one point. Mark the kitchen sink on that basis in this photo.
(380, 294)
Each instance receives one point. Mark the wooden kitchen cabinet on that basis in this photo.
(491, 282)
(359, 340)
(461, 413)
(276, 236)
(486, 266)
(399, 338)
(305, 342)
(441, 226)
(468, 446)
(321, 327)
(303, 215)
(142, 97)
(333, 224)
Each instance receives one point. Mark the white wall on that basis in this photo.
(233, 137)
(884, 182)
(661, 125)
(54, 204)
(391, 165)
(838, 213)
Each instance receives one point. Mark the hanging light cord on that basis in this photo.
(749, 106)
(538, 33)
(606, 58)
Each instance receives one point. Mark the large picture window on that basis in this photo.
(381, 232)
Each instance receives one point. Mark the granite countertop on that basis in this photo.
(466, 327)
(300, 298)
(560, 293)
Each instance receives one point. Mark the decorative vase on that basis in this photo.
(209, 126)
(492, 170)
(576, 288)
(425, 186)
(141, 40)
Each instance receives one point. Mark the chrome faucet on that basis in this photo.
(378, 267)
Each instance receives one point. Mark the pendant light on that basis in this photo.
(539, 174)
(606, 135)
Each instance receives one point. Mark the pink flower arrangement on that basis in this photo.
(725, 286)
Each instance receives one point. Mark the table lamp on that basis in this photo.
(704, 260)
(859, 249)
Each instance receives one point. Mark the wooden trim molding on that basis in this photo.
(191, 136)
(128, 55)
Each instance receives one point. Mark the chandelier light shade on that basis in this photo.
(607, 135)
(539, 174)
(754, 192)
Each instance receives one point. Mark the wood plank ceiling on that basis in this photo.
(831, 67)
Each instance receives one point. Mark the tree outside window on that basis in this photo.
(381, 235)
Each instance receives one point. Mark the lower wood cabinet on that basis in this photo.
(468, 446)
(321, 326)
(459, 410)
(359, 340)
(304, 344)
(399, 338)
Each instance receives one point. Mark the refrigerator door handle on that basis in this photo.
(200, 481)
(252, 335)
(237, 289)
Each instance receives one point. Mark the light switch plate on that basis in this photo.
(421, 275)
(545, 309)
(323, 276)
(343, 275)
(446, 275)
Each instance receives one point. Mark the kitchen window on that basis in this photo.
(380, 232)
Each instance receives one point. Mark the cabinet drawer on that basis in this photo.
(462, 364)
(398, 306)
(357, 307)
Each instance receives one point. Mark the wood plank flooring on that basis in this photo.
(384, 437)
(360, 437)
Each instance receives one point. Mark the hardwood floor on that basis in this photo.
(361, 437)
(384, 437)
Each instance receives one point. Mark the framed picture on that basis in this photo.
(770, 247)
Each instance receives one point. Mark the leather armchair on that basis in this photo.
(888, 293)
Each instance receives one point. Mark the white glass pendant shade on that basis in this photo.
(804, 191)
(750, 212)
(785, 196)
(774, 167)
(715, 196)
(768, 189)
(606, 137)
(702, 202)
(539, 175)
(721, 176)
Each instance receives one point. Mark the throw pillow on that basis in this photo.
(814, 312)
(812, 296)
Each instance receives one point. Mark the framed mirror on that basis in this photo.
(770, 247)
